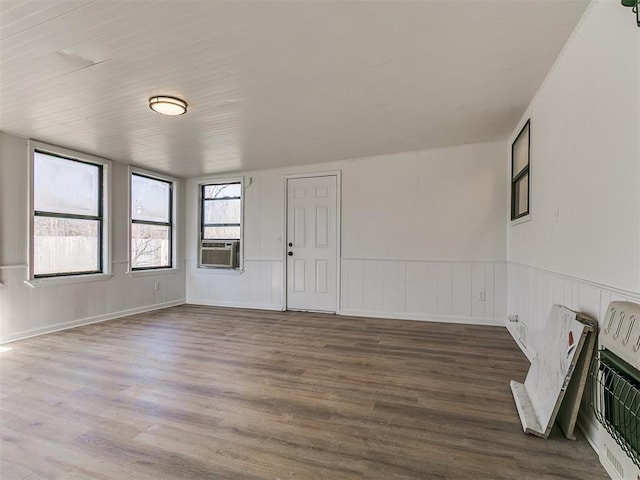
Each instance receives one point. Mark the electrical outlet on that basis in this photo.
(481, 296)
(512, 318)
(156, 286)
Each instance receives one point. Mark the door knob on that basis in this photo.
(290, 254)
(290, 244)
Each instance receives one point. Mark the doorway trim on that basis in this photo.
(330, 173)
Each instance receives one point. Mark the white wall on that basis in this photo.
(585, 160)
(422, 235)
(26, 311)
(585, 141)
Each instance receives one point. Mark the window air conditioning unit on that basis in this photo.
(219, 254)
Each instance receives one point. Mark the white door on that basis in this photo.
(312, 243)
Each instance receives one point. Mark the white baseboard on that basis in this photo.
(87, 321)
(361, 313)
(423, 317)
(251, 306)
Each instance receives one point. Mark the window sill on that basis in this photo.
(518, 221)
(53, 281)
(152, 273)
(220, 271)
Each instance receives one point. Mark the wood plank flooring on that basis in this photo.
(195, 392)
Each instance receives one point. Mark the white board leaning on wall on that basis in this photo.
(538, 399)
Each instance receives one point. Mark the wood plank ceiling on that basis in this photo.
(272, 83)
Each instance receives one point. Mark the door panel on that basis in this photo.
(299, 227)
(299, 270)
(322, 280)
(322, 227)
(312, 231)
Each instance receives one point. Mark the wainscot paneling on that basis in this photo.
(26, 311)
(387, 288)
(453, 291)
(531, 293)
(259, 285)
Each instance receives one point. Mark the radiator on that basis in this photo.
(615, 390)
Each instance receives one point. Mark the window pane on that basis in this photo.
(521, 152)
(222, 211)
(65, 186)
(150, 246)
(150, 199)
(522, 195)
(222, 233)
(65, 245)
(222, 191)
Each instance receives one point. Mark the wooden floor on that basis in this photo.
(208, 393)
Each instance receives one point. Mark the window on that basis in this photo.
(151, 222)
(520, 156)
(221, 224)
(68, 216)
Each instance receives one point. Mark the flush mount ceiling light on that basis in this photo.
(168, 105)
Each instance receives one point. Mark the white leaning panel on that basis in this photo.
(538, 399)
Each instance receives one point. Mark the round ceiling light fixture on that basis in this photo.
(168, 105)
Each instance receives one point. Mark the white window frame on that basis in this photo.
(218, 181)
(174, 224)
(106, 273)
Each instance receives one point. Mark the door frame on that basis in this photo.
(330, 173)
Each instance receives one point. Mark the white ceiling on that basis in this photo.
(272, 83)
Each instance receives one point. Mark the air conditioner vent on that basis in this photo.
(214, 244)
(219, 254)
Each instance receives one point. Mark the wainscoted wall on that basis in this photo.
(453, 291)
(533, 291)
(584, 164)
(27, 311)
(422, 237)
(259, 286)
(531, 294)
(408, 289)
